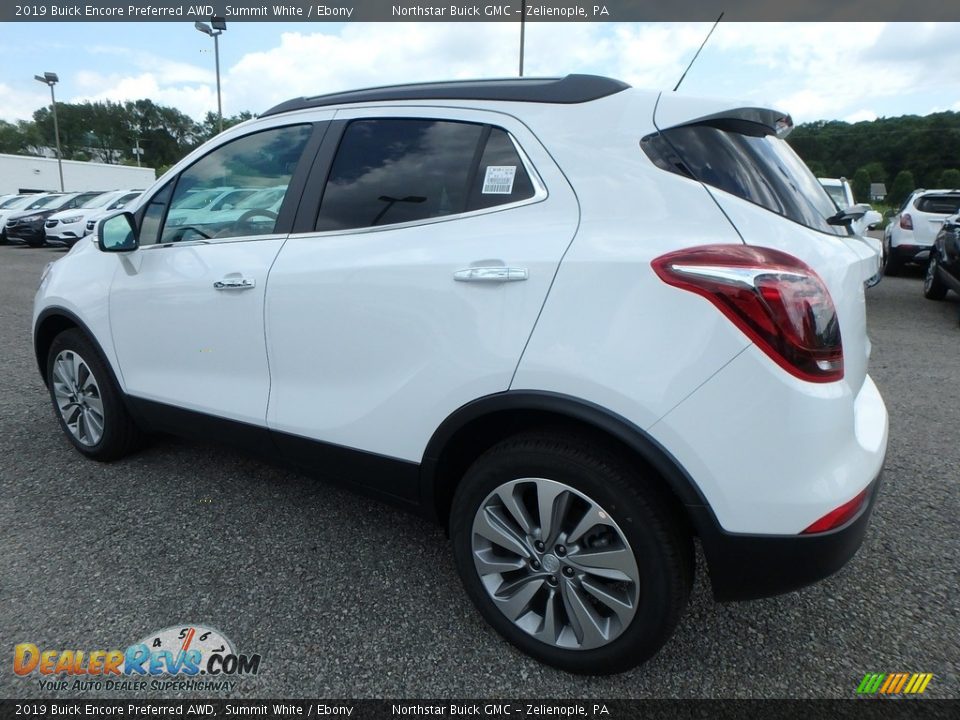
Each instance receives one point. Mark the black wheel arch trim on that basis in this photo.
(584, 411)
(56, 311)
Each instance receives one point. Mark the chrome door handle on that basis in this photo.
(496, 274)
(234, 284)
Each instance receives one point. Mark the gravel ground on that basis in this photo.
(344, 597)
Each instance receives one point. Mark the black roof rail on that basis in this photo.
(566, 90)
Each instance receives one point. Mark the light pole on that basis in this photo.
(51, 79)
(219, 25)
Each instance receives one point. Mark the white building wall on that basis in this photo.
(23, 173)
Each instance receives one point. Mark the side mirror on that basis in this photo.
(118, 233)
(849, 215)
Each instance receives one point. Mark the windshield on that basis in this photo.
(262, 199)
(197, 200)
(747, 160)
(99, 201)
(837, 194)
(14, 202)
(938, 204)
(44, 202)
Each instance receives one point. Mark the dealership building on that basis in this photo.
(25, 173)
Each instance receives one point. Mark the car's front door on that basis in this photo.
(186, 308)
(432, 251)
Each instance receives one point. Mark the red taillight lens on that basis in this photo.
(778, 301)
(836, 518)
(906, 222)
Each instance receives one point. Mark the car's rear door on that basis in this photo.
(416, 280)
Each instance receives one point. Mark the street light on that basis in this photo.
(219, 25)
(51, 79)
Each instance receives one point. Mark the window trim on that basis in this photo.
(540, 191)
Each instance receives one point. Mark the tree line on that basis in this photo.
(109, 132)
(904, 153)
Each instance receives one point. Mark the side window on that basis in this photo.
(236, 189)
(390, 171)
(501, 177)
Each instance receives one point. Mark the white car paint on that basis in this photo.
(363, 339)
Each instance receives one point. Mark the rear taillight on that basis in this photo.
(778, 301)
(837, 517)
(906, 222)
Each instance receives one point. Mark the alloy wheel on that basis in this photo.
(555, 563)
(78, 398)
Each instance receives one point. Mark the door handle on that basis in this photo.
(496, 274)
(234, 283)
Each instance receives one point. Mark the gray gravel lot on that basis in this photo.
(344, 597)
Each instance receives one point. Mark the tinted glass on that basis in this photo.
(941, 204)
(153, 215)
(500, 177)
(747, 160)
(395, 171)
(201, 207)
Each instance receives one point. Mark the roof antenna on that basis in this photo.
(698, 52)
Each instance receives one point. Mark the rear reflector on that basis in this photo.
(837, 517)
(778, 302)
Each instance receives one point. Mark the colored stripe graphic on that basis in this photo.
(894, 683)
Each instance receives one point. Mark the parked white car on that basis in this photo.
(577, 323)
(68, 226)
(910, 233)
(841, 193)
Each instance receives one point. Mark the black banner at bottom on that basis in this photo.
(867, 709)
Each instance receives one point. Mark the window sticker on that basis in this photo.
(498, 179)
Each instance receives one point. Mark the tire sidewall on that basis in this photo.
(656, 606)
(75, 341)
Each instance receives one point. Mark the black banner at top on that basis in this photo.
(480, 11)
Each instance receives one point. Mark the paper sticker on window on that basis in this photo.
(499, 179)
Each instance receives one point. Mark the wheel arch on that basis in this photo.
(53, 321)
(480, 424)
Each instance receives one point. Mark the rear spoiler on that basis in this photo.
(676, 110)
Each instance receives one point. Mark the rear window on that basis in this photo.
(748, 160)
(939, 204)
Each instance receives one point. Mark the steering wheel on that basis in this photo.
(244, 220)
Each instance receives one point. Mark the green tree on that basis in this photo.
(876, 172)
(861, 185)
(950, 179)
(903, 185)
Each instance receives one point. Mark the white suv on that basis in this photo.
(910, 233)
(578, 324)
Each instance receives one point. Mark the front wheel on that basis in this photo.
(570, 554)
(86, 401)
(933, 285)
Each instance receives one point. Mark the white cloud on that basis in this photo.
(19, 105)
(860, 116)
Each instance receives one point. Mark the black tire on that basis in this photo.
(656, 535)
(892, 265)
(933, 286)
(120, 435)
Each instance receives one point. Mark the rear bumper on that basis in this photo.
(911, 253)
(746, 567)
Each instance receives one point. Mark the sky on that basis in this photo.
(815, 71)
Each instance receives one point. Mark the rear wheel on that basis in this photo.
(86, 401)
(933, 285)
(892, 265)
(569, 554)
